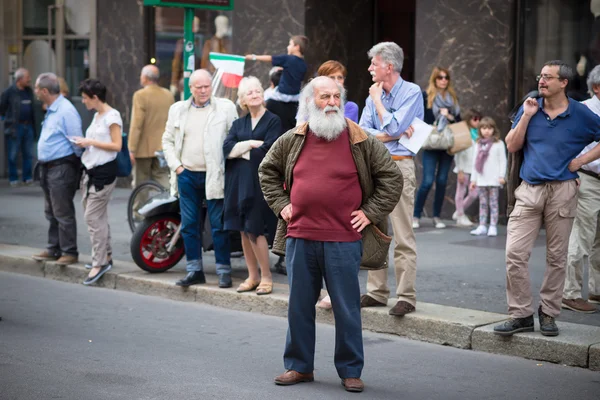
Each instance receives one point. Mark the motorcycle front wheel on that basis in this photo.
(150, 241)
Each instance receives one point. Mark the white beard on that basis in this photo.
(326, 126)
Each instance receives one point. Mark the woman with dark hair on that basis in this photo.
(102, 142)
(441, 109)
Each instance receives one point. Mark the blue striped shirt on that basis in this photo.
(62, 120)
(403, 103)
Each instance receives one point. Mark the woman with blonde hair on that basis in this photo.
(441, 109)
(245, 209)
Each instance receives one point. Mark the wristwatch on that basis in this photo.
(253, 57)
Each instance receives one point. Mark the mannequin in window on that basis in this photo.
(219, 43)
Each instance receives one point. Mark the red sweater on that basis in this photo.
(325, 191)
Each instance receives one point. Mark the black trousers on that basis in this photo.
(285, 111)
(59, 183)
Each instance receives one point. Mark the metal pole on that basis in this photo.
(189, 56)
(60, 38)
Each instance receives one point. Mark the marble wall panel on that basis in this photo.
(472, 38)
(121, 51)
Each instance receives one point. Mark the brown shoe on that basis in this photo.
(594, 298)
(368, 301)
(353, 384)
(45, 256)
(402, 308)
(67, 260)
(291, 377)
(579, 305)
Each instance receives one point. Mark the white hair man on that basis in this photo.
(193, 146)
(584, 241)
(150, 109)
(319, 160)
(16, 106)
(392, 105)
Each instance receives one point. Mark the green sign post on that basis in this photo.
(189, 6)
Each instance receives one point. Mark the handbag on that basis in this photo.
(376, 246)
(123, 161)
(437, 140)
(462, 137)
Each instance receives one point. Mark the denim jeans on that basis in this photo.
(308, 262)
(21, 141)
(192, 192)
(433, 160)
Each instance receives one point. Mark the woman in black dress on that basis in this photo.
(246, 210)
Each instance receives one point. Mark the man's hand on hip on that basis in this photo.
(179, 170)
(286, 213)
(360, 220)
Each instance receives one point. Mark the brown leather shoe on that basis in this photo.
(402, 308)
(291, 377)
(67, 260)
(353, 384)
(45, 256)
(594, 298)
(368, 301)
(579, 305)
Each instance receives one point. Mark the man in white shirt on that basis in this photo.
(193, 147)
(584, 241)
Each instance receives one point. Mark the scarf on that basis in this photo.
(440, 102)
(483, 151)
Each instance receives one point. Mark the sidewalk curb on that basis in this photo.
(578, 345)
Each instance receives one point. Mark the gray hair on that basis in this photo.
(593, 79)
(390, 53)
(199, 72)
(247, 83)
(49, 81)
(564, 70)
(307, 95)
(151, 72)
(20, 74)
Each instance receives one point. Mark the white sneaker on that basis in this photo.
(492, 231)
(463, 220)
(455, 216)
(479, 231)
(416, 224)
(438, 223)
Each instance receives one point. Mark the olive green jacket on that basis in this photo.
(380, 179)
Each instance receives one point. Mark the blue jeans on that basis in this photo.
(432, 160)
(308, 262)
(21, 141)
(192, 192)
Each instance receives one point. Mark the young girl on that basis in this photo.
(488, 174)
(463, 161)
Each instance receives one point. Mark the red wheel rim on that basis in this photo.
(154, 243)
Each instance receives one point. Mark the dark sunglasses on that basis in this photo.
(443, 77)
(475, 118)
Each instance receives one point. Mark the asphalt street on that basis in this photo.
(65, 341)
(453, 267)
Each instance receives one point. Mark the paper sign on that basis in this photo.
(420, 135)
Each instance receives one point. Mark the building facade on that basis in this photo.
(494, 48)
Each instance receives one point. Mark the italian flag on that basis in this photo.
(230, 69)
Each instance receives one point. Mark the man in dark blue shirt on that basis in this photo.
(551, 131)
(16, 108)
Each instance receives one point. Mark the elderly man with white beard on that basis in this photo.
(332, 186)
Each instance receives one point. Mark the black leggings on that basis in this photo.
(285, 111)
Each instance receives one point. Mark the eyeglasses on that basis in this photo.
(443, 77)
(546, 78)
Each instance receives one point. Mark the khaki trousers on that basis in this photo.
(405, 252)
(584, 242)
(149, 169)
(95, 212)
(554, 204)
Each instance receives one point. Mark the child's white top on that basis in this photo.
(494, 167)
(463, 160)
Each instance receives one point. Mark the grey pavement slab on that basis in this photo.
(595, 357)
(73, 342)
(570, 347)
(454, 268)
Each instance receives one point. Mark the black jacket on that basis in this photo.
(10, 107)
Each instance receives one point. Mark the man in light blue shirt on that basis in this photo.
(60, 169)
(392, 105)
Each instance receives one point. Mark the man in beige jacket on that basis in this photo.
(148, 119)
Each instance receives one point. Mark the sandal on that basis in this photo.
(247, 286)
(264, 288)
